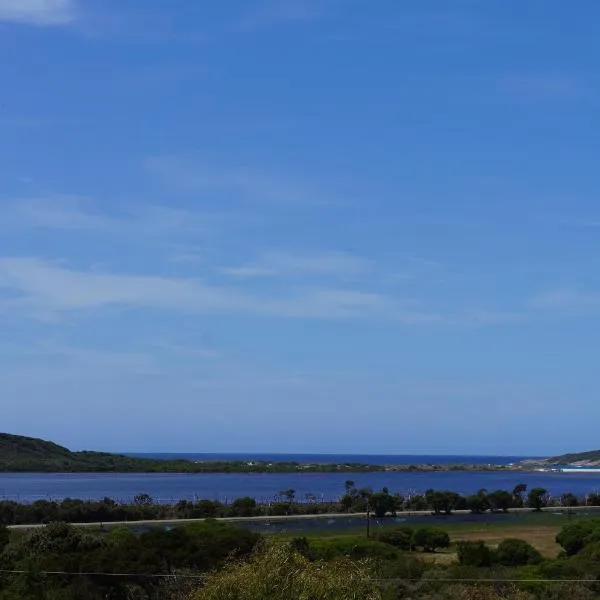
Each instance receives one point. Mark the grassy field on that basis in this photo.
(539, 529)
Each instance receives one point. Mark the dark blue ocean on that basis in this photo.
(165, 487)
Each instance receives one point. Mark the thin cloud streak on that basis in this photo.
(567, 300)
(43, 13)
(336, 264)
(45, 288)
(274, 13)
(534, 87)
(79, 213)
(38, 289)
(235, 184)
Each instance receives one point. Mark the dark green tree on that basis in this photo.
(144, 500)
(289, 495)
(569, 500)
(382, 503)
(243, 507)
(429, 539)
(416, 502)
(500, 500)
(537, 498)
(515, 552)
(518, 493)
(474, 554)
(477, 503)
(442, 501)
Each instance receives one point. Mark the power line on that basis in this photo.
(99, 574)
(374, 580)
(481, 580)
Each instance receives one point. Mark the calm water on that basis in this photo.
(225, 487)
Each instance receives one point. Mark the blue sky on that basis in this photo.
(300, 225)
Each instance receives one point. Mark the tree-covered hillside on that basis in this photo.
(26, 454)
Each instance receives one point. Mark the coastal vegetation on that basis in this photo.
(20, 454)
(380, 504)
(212, 560)
(24, 454)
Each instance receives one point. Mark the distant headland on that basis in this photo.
(21, 454)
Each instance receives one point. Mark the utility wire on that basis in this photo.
(375, 580)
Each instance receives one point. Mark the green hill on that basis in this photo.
(591, 457)
(19, 454)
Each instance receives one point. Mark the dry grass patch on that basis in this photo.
(541, 537)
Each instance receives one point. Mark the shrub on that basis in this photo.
(352, 547)
(399, 537)
(430, 539)
(279, 509)
(474, 554)
(301, 546)
(575, 536)
(408, 566)
(584, 565)
(282, 574)
(514, 552)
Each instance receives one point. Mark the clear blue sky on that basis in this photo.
(300, 225)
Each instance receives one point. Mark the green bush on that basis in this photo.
(352, 547)
(474, 553)
(399, 537)
(514, 552)
(575, 536)
(429, 539)
(407, 566)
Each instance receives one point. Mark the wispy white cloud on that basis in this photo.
(63, 359)
(43, 290)
(39, 12)
(38, 287)
(535, 87)
(335, 264)
(185, 350)
(238, 183)
(187, 257)
(248, 272)
(80, 213)
(567, 300)
(54, 211)
(489, 317)
(272, 13)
